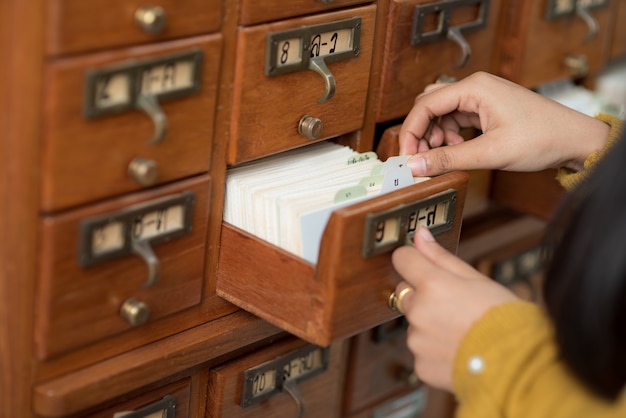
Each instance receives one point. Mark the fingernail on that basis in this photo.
(430, 139)
(426, 234)
(417, 165)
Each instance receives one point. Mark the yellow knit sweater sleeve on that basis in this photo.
(508, 366)
(569, 178)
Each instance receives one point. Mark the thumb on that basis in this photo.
(468, 155)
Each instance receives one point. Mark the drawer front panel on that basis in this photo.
(346, 292)
(78, 305)
(171, 401)
(380, 366)
(380, 381)
(536, 50)
(268, 109)
(509, 251)
(79, 26)
(88, 157)
(253, 12)
(408, 69)
(320, 395)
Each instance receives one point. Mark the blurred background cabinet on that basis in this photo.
(119, 122)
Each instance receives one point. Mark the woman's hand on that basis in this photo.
(521, 130)
(448, 297)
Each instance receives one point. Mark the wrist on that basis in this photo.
(597, 135)
(571, 174)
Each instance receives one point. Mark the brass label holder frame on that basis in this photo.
(125, 223)
(556, 9)
(281, 380)
(132, 74)
(444, 30)
(308, 51)
(405, 219)
(167, 407)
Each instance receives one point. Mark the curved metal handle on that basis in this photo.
(291, 388)
(455, 35)
(150, 105)
(143, 250)
(591, 22)
(318, 65)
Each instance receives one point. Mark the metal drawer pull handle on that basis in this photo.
(455, 35)
(150, 105)
(291, 388)
(443, 11)
(319, 66)
(591, 22)
(143, 249)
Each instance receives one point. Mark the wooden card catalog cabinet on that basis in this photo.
(431, 40)
(119, 264)
(300, 80)
(171, 401)
(547, 40)
(348, 290)
(287, 379)
(78, 26)
(380, 368)
(123, 120)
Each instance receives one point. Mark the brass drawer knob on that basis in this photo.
(135, 312)
(150, 19)
(310, 127)
(144, 171)
(409, 377)
(578, 65)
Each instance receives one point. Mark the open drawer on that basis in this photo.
(348, 290)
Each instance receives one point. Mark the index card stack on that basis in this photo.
(269, 198)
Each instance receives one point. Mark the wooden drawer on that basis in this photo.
(317, 387)
(168, 401)
(508, 251)
(534, 49)
(79, 26)
(380, 378)
(88, 158)
(410, 65)
(268, 109)
(423, 402)
(379, 367)
(346, 292)
(85, 283)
